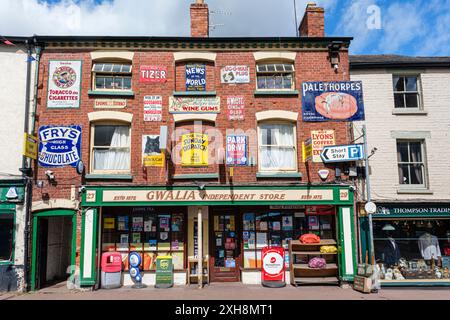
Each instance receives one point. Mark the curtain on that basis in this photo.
(277, 150)
(114, 159)
(416, 169)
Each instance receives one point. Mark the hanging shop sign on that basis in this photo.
(194, 105)
(152, 108)
(195, 77)
(152, 74)
(235, 74)
(194, 149)
(414, 210)
(110, 103)
(273, 266)
(236, 154)
(151, 154)
(307, 150)
(30, 146)
(164, 272)
(59, 146)
(320, 139)
(345, 153)
(235, 108)
(332, 101)
(64, 84)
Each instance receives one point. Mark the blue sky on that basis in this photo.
(411, 27)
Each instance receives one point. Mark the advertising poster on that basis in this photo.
(138, 224)
(151, 154)
(152, 108)
(109, 223)
(235, 74)
(332, 101)
(321, 139)
(164, 272)
(59, 146)
(152, 74)
(235, 108)
(195, 77)
(194, 150)
(236, 153)
(273, 266)
(122, 223)
(194, 105)
(64, 84)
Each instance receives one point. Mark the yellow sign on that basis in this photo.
(151, 154)
(321, 139)
(154, 161)
(194, 149)
(109, 223)
(307, 150)
(30, 146)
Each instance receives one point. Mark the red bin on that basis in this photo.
(111, 274)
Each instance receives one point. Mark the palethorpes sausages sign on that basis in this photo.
(64, 84)
(59, 146)
(332, 101)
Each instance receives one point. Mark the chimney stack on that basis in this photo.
(313, 22)
(199, 19)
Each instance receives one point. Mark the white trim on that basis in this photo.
(191, 117)
(199, 56)
(124, 55)
(110, 115)
(348, 248)
(276, 114)
(88, 240)
(275, 55)
(54, 204)
(411, 134)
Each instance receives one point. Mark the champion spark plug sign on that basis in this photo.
(64, 84)
(152, 74)
(195, 77)
(236, 150)
(59, 146)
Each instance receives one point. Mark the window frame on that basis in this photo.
(92, 146)
(13, 244)
(275, 62)
(405, 92)
(260, 145)
(111, 74)
(423, 164)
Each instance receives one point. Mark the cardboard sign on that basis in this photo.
(151, 154)
(195, 77)
(152, 108)
(59, 146)
(321, 139)
(152, 74)
(194, 105)
(235, 108)
(194, 150)
(235, 74)
(64, 84)
(30, 146)
(273, 267)
(236, 153)
(332, 101)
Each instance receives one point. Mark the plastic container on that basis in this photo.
(111, 275)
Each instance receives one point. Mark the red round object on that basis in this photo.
(336, 105)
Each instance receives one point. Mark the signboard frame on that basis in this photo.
(361, 153)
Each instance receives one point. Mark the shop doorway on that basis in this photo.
(225, 249)
(53, 257)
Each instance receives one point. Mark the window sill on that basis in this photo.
(276, 93)
(276, 175)
(111, 93)
(196, 176)
(193, 93)
(409, 112)
(109, 177)
(414, 191)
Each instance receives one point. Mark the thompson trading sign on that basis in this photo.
(59, 146)
(332, 101)
(64, 84)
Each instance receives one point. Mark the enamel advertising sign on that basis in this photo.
(195, 77)
(236, 154)
(64, 84)
(152, 74)
(321, 139)
(152, 108)
(194, 150)
(332, 101)
(59, 146)
(194, 105)
(235, 74)
(151, 154)
(235, 108)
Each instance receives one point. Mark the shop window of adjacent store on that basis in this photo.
(275, 76)
(147, 231)
(412, 249)
(411, 163)
(406, 92)
(110, 148)
(277, 147)
(111, 76)
(277, 227)
(6, 237)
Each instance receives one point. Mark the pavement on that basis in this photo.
(232, 291)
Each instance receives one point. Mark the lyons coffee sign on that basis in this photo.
(59, 146)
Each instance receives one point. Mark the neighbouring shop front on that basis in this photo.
(411, 243)
(236, 224)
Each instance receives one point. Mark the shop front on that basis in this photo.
(236, 224)
(411, 243)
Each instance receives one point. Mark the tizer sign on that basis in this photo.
(343, 153)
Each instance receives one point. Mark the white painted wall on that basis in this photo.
(379, 104)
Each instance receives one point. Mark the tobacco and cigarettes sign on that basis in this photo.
(64, 84)
(152, 108)
(236, 150)
(235, 74)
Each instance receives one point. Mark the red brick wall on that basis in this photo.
(313, 23)
(199, 20)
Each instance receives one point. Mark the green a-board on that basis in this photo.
(164, 272)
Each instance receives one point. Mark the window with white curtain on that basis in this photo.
(111, 148)
(277, 147)
(411, 162)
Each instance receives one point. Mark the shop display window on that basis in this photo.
(412, 249)
(146, 231)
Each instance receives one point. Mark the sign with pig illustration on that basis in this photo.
(332, 101)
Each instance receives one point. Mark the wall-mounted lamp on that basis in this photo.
(334, 57)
